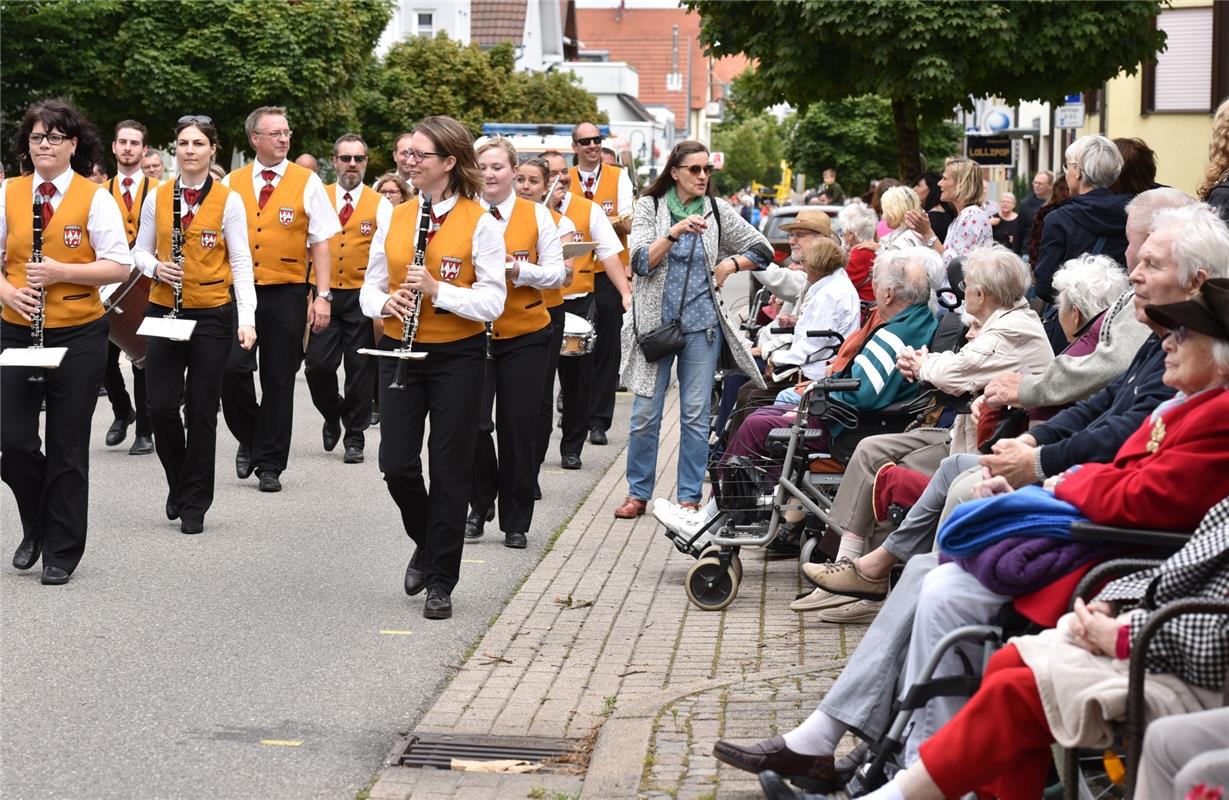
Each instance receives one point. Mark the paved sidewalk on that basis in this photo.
(600, 646)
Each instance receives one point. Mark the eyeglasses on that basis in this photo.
(277, 134)
(696, 169)
(1180, 334)
(193, 119)
(49, 138)
(1070, 165)
(801, 233)
(418, 155)
(351, 159)
(589, 141)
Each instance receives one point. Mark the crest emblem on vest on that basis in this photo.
(608, 207)
(520, 255)
(285, 216)
(366, 227)
(72, 235)
(209, 239)
(450, 268)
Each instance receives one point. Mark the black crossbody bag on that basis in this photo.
(665, 339)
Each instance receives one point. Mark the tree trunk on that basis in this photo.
(908, 151)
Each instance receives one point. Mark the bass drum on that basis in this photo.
(125, 306)
(578, 336)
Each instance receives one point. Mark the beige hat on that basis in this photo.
(817, 221)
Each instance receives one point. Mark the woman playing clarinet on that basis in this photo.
(446, 299)
(213, 250)
(52, 270)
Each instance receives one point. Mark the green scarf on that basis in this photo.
(680, 211)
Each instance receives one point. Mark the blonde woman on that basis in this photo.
(1214, 190)
(897, 202)
(961, 185)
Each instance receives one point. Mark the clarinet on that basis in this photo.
(38, 319)
(409, 325)
(177, 249)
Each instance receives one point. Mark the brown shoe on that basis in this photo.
(631, 508)
(815, 773)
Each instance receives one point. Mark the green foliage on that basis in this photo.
(156, 61)
(928, 57)
(857, 138)
(753, 151)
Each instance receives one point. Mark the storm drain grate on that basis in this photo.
(437, 750)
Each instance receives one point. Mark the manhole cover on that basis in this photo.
(437, 750)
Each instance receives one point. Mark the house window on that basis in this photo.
(424, 23)
(1190, 76)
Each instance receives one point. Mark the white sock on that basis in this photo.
(851, 546)
(816, 736)
(889, 791)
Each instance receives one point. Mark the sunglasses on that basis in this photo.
(195, 119)
(1180, 334)
(696, 169)
(351, 159)
(589, 141)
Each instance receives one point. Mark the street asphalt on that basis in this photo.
(274, 656)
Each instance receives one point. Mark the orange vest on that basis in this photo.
(277, 232)
(449, 258)
(350, 248)
(524, 310)
(553, 298)
(207, 275)
(66, 238)
(132, 216)
(582, 266)
(605, 194)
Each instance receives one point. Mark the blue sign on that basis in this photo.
(1072, 99)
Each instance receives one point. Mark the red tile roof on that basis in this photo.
(493, 22)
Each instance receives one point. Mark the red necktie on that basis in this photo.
(589, 188)
(267, 189)
(495, 213)
(346, 210)
(190, 197)
(127, 192)
(47, 190)
(436, 224)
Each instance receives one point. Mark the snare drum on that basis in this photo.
(125, 307)
(578, 336)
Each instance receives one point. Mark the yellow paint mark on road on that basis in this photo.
(390, 632)
(553, 471)
(473, 561)
(282, 742)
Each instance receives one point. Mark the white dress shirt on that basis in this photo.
(104, 223)
(384, 209)
(484, 301)
(600, 231)
(234, 231)
(831, 304)
(322, 222)
(549, 271)
(623, 203)
(566, 229)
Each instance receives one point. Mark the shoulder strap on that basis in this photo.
(716, 216)
(1098, 246)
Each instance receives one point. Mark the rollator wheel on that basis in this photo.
(712, 551)
(710, 587)
(811, 554)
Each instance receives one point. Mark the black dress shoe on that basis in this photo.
(331, 434)
(415, 579)
(438, 605)
(27, 553)
(54, 576)
(817, 773)
(516, 540)
(191, 526)
(269, 482)
(474, 524)
(172, 509)
(141, 446)
(597, 436)
(570, 462)
(119, 429)
(775, 788)
(243, 461)
(354, 455)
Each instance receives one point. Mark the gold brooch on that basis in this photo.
(1158, 435)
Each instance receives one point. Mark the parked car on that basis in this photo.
(783, 215)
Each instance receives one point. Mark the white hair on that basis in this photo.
(891, 272)
(1201, 241)
(1097, 158)
(1000, 273)
(858, 219)
(1089, 284)
(1142, 210)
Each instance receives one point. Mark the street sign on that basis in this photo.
(717, 159)
(1074, 99)
(988, 150)
(1069, 116)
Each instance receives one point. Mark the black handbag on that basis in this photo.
(665, 339)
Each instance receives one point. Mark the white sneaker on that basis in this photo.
(818, 600)
(862, 612)
(685, 521)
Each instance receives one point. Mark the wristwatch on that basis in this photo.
(932, 241)
(672, 237)
(325, 295)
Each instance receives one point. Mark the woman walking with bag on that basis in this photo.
(684, 244)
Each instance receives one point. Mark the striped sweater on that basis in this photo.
(875, 363)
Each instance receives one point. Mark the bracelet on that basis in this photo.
(672, 237)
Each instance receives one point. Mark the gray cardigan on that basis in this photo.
(737, 238)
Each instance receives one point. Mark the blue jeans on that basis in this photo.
(697, 363)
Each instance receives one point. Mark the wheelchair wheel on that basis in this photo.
(712, 551)
(710, 587)
(811, 554)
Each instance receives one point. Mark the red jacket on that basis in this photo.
(1166, 475)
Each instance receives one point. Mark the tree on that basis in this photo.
(752, 151)
(927, 58)
(156, 61)
(857, 138)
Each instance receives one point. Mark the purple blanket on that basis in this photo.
(1020, 565)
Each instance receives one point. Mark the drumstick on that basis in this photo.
(551, 190)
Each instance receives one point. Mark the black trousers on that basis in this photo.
(121, 405)
(339, 343)
(513, 386)
(186, 445)
(51, 483)
(281, 316)
(575, 381)
(606, 352)
(445, 387)
(546, 406)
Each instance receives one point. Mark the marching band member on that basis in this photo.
(520, 338)
(288, 213)
(360, 210)
(461, 287)
(609, 187)
(215, 257)
(576, 373)
(129, 187)
(83, 247)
